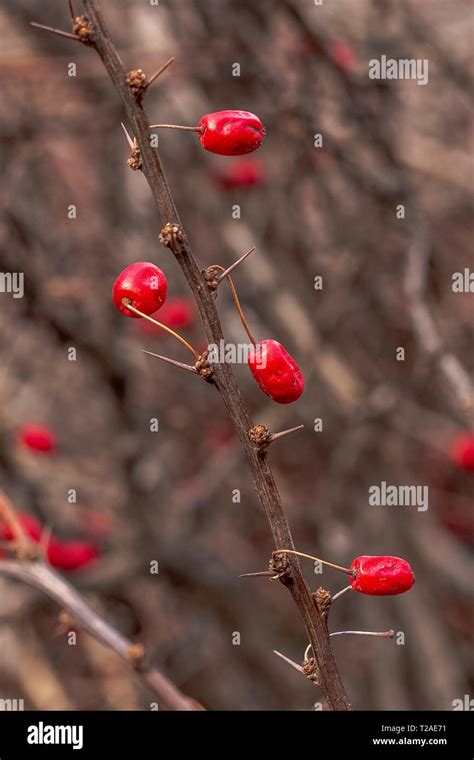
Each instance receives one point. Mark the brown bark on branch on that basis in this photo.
(42, 577)
(175, 238)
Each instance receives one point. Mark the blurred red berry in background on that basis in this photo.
(176, 313)
(63, 555)
(39, 438)
(245, 172)
(342, 55)
(462, 451)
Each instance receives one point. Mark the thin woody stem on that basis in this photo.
(316, 559)
(177, 126)
(237, 302)
(160, 324)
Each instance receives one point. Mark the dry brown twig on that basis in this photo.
(37, 573)
(174, 237)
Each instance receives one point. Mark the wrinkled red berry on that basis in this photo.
(276, 372)
(381, 576)
(37, 438)
(245, 172)
(231, 133)
(462, 451)
(144, 285)
(71, 555)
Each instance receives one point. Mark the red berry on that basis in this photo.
(144, 285)
(342, 55)
(462, 451)
(71, 555)
(244, 173)
(37, 438)
(231, 133)
(30, 525)
(176, 313)
(276, 372)
(381, 576)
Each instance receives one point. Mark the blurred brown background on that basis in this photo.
(167, 496)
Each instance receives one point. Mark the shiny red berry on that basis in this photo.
(246, 172)
(144, 285)
(276, 372)
(381, 576)
(231, 133)
(39, 438)
(71, 555)
(462, 451)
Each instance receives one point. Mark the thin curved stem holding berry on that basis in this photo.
(237, 302)
(177, 126)
(315, 559)
(129, 306)
(340, 593)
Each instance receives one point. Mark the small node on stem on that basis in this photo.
(83, 29)
(137, 82)
(203, 368)
(135, 654)
(259, 435)
(171, 234)
(323, 600)
(135, 160)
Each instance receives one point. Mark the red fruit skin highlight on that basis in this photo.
(462, 451)
(276, 372)
(381, 576)
(231, 133)
(144, 284)
(37, 438)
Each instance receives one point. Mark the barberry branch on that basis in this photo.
(174, 237)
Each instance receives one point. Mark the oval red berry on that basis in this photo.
(39, 438)
(276, 372)
(231, 133)
(381, 576)
(143, 285)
